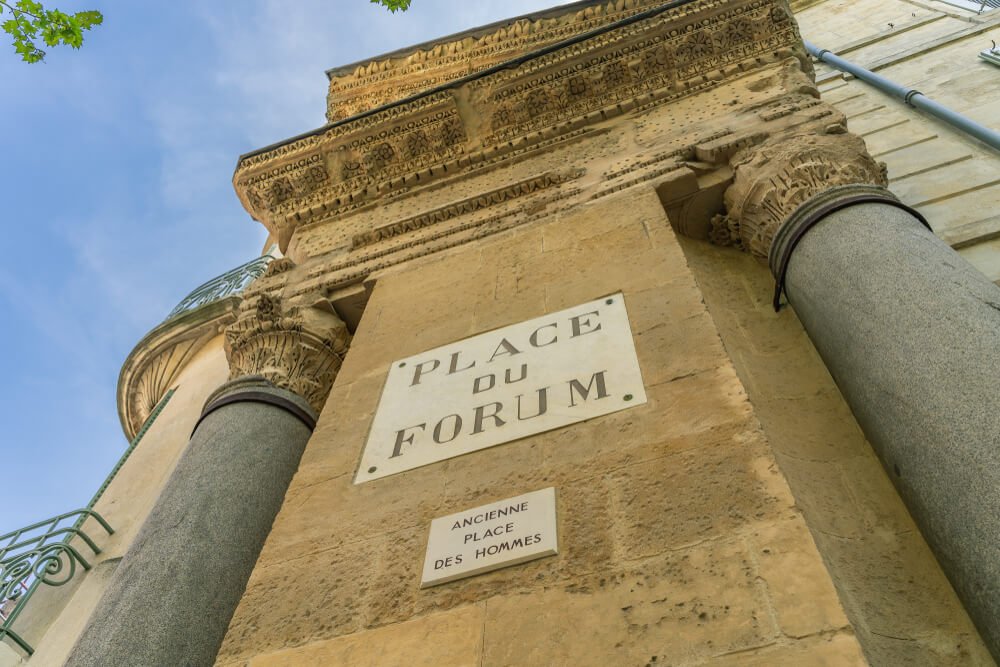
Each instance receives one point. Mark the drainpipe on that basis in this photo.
(910, 96)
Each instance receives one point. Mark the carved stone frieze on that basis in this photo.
(774, 178)
(665, 58)
(357, 88)
(297, 347)
(496, 196)
(659, 54)
(294, 184)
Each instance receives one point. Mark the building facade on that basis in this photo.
(752, 301)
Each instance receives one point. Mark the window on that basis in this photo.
(975, 5)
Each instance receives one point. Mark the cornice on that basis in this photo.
(157, 360)
(654, 57)
(385, 78)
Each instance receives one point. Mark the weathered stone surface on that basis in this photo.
(297, 348)
(672, 610)
(640, 493)
(540, 201)
(894, 593)
(449, 639)
(771, 180)
(530, 191)
(789, 565)
(838, 650)
(699, 494)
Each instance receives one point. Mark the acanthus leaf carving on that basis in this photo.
(296, 347)
(774, 178)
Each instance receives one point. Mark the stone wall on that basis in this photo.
(689, 525)
(933, 47)
(680, 541)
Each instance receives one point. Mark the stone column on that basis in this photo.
(908, 329)
(176, 589)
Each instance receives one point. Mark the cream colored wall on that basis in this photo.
(9, 657)
(680, 542)
(950, 178)
(128, 500)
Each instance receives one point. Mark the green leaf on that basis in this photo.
(31, 21)
(393, 5)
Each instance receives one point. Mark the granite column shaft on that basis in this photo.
(178, 585)
(910, 331)
(172, 597)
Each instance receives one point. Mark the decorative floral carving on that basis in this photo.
(451, 133)
(380, 156)
(316, 175)
(734, 33)
(698, 45)
(281, 189)
(654, 60)
(780, 15)
(537, 102)
(350, 168)
(578, 85)
(298, 348)
(615, 74)
(417, 144)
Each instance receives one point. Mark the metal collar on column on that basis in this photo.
(806, 217)
(257, 397)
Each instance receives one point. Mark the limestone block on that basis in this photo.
(902, 607)
(831, 503)
(699, 494)
(9, 657)
(314, 596)
(448, 639)
(838, 650)
(805, 602)
(670, 610)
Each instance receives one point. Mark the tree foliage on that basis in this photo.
(394, 5)
(30, 24)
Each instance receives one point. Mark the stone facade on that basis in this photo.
(738, 517)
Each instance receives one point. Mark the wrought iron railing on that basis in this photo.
(991, 55)
(229, 283)
(42, 553)
(978, 6)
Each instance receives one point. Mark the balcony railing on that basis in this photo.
(229, 283)
(42, 553)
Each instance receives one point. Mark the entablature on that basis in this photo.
(651, 58)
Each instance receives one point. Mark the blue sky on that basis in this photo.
(115, 175)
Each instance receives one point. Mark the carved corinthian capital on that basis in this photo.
(298, 348)
(774, 178)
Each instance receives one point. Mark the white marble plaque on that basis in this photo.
(502, 385)
(487, 538)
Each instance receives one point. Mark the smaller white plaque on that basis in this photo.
(490, 537)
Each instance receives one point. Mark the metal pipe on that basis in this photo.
(910, 96)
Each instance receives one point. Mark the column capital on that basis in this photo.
(773, 179)
(294, 346)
